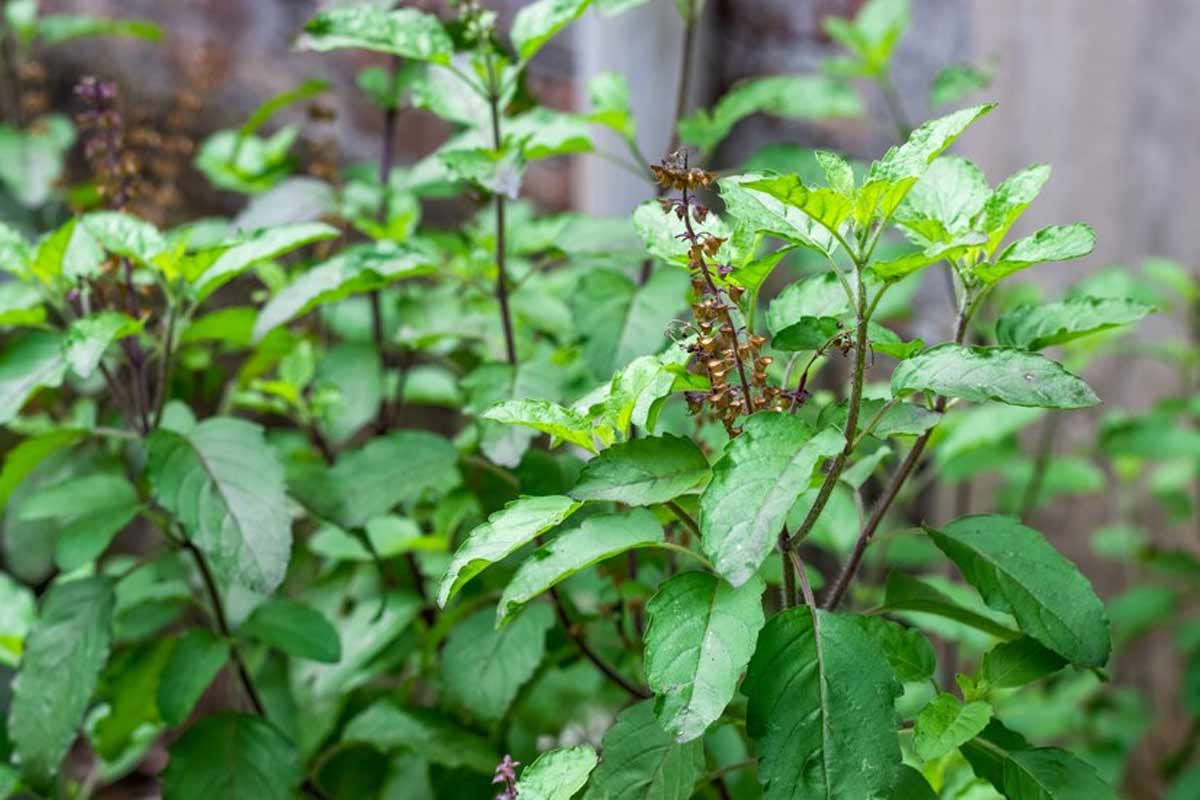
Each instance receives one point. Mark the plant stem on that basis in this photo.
(787, 592)
(683, 516)
(1041, 461)
(510, 345)
(801, 573)
(164, 368)
(892, 98)
(387, 155)
(580, 641)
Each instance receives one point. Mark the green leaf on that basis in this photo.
(368, 480)
(644, 471)
(95, 508)
(295, 629)
(904, 593)
(906, 649)
(954, 82)
(28, 364)
(821, 710)
(260, 245)
(57, 28)
(944, 202)
(537, 22)
(826, 206)
(1037, 327)
(64, 653)
(484, 668)
(977, 374)
(195, 661)
(596, 539)
(352, 271)
(1010, 665)
(1009, 201)
(131, 677)
(786, 96)
(232, 755)
(550, 418)
(1056, 243)
(873, 34)
(505, 531)
(125, 235)
(387, 727)
(226, 488)
(946, 724)
(245, 163)
(620, 320)
(1017, 769)
(495, 171)
(662, 232)
(1018, 572)
(608, 97)
(642, 761)
(807, 333)
(899, 419)
(700, 638)
(89, 337)
(754, 484)
(23, 459)
(762, 213)
(17, 614)
(557, 774)
(20, 304)
(405, 32)
(31, 159)
(69, 253)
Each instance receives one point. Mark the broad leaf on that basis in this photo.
(94, 509)
(125, 235)
(23, 459)
(64, 653)
(195, 661)
(505, 531)
(596, 539)
(906, 649)
(700, 638)
(620, 320)
(387, 727)
(1008, 201)
(405, 32)
(821, 710)
(1037, 327)
(761, 212)
(550, 418)
(557, 774)
(829, 208)
(947, 723)
(1018, 572)
(1019, 770)
(1010, 665)
(754, 484)
(226, 487)
(401, 468)
(295, 629)
(537, 22)
(977, 374)
(232, 755)
(28, 364)
(261, 245)
(642, 472)
(640, 760)
(1056, 243)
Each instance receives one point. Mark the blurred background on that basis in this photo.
(1104, 90)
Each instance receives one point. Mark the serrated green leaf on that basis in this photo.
(906, 649)
(1018, 769)
(700, 638)
(946, 723)
(537, 22)
(808, 333)
(557, 774)
(1056, 243)
(640, 760)
(821, 710)
(387, 727)
(226, 487)
(644, 471)
(1009, 200)
(1009, 665)
(20, 305)
(1017, 571)
(754, 484)
(828, 207)
(977, 374)
(295, 629)
(1037, 327)
(195, 661)
(484, 668)
(232, 755)
(550, 418)
(64, 653)
(404, 32)
(505, 531)
(401, 468)
(761, 212)
(944, 202)
(125, 235)
(596, 539)
(28, 364)
(95, 508)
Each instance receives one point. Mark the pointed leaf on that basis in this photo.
(642, 472)
(387, 728)
(762, 213)
(1008, 201)
(261, 245)
(906, 649)
(28, 364)
(232, 755)
(904, 593)
(546, 417)
(946, 723)
(295, 629)
(1019, 770)
(405, 32)
(537, 22)
(194, 663)
(1037, 327)
(1010, 665)
(89, 337)
(1056, 243)
(557, 774)
(640, 760)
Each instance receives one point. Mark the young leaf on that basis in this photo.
(95, 507)
(404, 32)
(1010, 665)
(977, 374)
(904, 593)
(700, 638)
(827, 207)
(557, 774)
(125, 235)
(484, 668)
(762, 213)
(944, 201)
(1018, 572)
(232, 755)
(537, 22)
(754, 484)
(596, 539)
(906, 649)
(28, 364)
(1056, 243)
(25, 457)
(226, 487)
(195, 661)
(641, 760)
(387, 727)
(642, 472)
(295, 629)
(64, 653)
(1018, 769)
(1037, 327)
(1008, 202)
(505, 531)
(261, 245)
(947, 723)
(546, 417)
(821, 710)
(955, 81)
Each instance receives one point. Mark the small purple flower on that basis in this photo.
(506, 773)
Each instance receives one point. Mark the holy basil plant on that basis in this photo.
(329, 500)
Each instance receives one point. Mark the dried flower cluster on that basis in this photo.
(723, 350)
(114, 164)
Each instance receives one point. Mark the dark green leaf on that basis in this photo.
(1018, 770)
(195, 661)
(386, 727)
(906, 649)
(295, 629)
(640, 760)
(1010, 665)
(947, 723)
(909, 594)
(28, 364)
(232, 755)
(402, 468)
(644, 471)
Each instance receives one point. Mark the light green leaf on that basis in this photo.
(57, 28)
(944, 202)
(31, 159)
(64, 653)
(1019, 770)
(761, 212)
(295, 629)
(89, 337)
(873, 34)
(405, 32)
(20, 304)
(662, 232)
(125, 235)
(620, 320)
(1018, 572)
(904, 593)
(826, 206)
(232, 755)
(537, 22)
(955, 81)
(28, 364)
(550, 418)
(700, 638)
(557, 774)
(496, 171)
(1056, 243)
(643, 761)
(754, 484)
(23, 459)
(387, 727)
(596, 539)
(977, 374)
(68, 253)
(1009, 200)
(1037, 327)
(17, 613)
(505, 531)
(484, 668)
(608, 97)
(226, 487)
(947, 723)
(1010, 665)
(259, 246)
(194, 663)
(96, 507)
(821, 710)
(644, 471)
(838, 172)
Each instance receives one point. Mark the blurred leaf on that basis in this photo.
(1004, 374)
(227, 755)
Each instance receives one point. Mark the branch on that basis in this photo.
(580, 641)
(510, 346)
